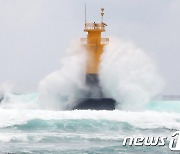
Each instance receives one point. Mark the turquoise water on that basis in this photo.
(38, 131)
(169, 106)
(27, 130)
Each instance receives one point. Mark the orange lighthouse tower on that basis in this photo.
(94, 45)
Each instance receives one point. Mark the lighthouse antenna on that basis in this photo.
(85, 12)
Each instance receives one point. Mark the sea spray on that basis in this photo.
(128, 75)
(6, 89)
(11, 100)
(61, 89)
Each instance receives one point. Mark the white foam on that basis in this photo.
(7, 137)
(60, 89)
(147, 119)
(128, 75)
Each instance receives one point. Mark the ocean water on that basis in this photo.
(86, 131)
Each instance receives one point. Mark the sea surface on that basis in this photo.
(26, 131)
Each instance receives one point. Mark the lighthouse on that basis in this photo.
(94, 46)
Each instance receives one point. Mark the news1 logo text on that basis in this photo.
(174, 142)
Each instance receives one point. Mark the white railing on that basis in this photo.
(95, 26)
(103, 40)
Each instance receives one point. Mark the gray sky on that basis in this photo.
(35, 33)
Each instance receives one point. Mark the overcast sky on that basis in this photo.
(35, 33)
